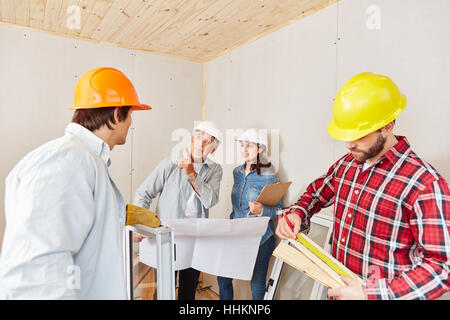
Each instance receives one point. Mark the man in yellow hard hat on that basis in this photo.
(64, 214)
(391, 208)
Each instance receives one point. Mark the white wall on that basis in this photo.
(288, 79)
(37, 78)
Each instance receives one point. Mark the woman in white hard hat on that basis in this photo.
(249, 180)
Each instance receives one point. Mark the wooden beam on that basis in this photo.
(203, 89)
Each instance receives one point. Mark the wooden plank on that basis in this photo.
(216, 23)
(140, 270)
(252, 21)
(319, 248)
(52, 12)
(203, 90)
(37, 13)
(61, 24)
(163, 16)
(84, 7)
(240, 20)
(22, 12)
(247, 22)
(123, 25)
(109, 18)
(321, 4)
(149, 286)
(7, 11)
(146, 18)
(299, 261)
(197, 25)
(317, 261)
(94, 13)
(197, 30)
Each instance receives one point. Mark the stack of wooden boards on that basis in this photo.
(308, 257)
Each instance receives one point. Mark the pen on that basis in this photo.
(290, 225)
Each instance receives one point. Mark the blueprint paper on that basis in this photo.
(222, 247)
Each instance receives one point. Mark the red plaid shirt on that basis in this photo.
(391, 222)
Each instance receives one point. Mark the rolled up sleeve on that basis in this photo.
(208, 191)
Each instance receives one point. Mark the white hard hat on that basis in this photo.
(210, 128)
(256, 136)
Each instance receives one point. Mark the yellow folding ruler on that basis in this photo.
(322, 256)
(308, 257)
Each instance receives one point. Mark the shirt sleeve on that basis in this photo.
(318, 195)
(271, 211)
(208, 191)
(429, 222)
(50, 213)
(153, 184)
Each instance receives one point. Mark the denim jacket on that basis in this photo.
(247, 188)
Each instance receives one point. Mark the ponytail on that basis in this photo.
(258, 165)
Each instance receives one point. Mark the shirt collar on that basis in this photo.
(208, 162)
(242, 169)
(94, 143)
(393, 154)
(397, 151)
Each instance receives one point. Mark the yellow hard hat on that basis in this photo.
(105, 87)
(366, 103)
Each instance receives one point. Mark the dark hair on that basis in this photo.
(258, 165)
(93, 119)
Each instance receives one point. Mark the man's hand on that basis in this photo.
(284, 231)
(353, 290)
(255, 207)
(137, 237)
(186, 164)
(139, 215)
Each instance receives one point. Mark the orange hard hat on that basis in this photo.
(105, 87)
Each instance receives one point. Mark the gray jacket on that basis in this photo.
(175, 189)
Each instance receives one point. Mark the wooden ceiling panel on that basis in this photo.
(37, 13)
(198, 30)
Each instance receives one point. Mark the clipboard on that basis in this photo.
(273, 193)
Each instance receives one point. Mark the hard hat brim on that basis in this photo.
(345, 134)
(135, 107)
(354, 134)
(142, 107)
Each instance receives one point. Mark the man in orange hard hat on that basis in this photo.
(64, 214)
(391, 208)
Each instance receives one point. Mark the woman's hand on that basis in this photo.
(255, 207)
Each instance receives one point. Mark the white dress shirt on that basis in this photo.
(64, 223)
